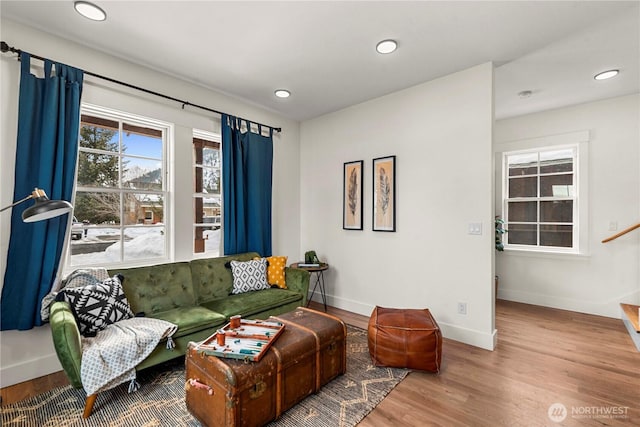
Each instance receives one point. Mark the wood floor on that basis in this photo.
(544, 356)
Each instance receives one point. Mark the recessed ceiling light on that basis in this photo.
(606, 74)
(282, 93)
(90, 11)
(386, 46)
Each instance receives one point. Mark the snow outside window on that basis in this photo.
(207, 221)
(121, 189)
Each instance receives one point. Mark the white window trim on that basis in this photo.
(579, 140)
(169, 130)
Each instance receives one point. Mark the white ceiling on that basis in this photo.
(324, 52)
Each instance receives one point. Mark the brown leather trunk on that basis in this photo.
(330, 333)
(405, 338)
(230, 392)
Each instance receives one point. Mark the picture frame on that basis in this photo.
(352, 195)
(384, 193)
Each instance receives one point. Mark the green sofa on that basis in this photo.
(194, 295)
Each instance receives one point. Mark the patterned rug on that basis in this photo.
(161, 399)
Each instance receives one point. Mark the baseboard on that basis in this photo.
(29, 370)
(449, 331)
(609, 308)
(27, 355)
(346, 304)
(470, 336)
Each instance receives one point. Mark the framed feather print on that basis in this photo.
(352, 196)
(384, 194)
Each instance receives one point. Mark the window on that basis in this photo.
(540, 199)
(121, 197)
(207, 201)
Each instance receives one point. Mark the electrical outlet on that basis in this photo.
(462, 308)
(613, 225)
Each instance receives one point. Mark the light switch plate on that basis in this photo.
(475, 228)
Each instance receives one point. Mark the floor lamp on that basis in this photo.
(43, 207)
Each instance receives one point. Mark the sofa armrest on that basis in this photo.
(66, 340)
(298, 281)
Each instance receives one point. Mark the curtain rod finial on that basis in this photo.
(4, 47)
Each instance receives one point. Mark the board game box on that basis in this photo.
(242, 339)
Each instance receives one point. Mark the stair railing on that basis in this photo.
(622, 233)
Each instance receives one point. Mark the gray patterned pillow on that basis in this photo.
(249, 275)
(97, 305)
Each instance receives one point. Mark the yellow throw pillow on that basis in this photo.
(275, 271)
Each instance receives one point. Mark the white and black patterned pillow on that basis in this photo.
(249, 276)
(98, 305)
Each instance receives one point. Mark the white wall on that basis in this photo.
(29, 354)
(441, 133)
(608, 273)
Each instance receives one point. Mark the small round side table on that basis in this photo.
(318, 270)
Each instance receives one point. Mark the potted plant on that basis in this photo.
(500, 230)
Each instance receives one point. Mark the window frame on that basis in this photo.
(215, 138)
(578, 142)
(167, 131)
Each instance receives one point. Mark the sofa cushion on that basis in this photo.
(249, 276)
(191, 319)
(96, 305)
(252, 302)
(157, 288)
(211, 279)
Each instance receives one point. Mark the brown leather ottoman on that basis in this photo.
(405, 338)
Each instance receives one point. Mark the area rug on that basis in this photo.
(160, 401)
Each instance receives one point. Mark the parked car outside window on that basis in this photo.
(76, 229)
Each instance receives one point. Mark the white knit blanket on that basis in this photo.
(109, 358)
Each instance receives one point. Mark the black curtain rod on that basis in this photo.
(6, 48)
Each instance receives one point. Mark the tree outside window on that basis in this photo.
(120, 189)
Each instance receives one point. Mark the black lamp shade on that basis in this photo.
(45, 209)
